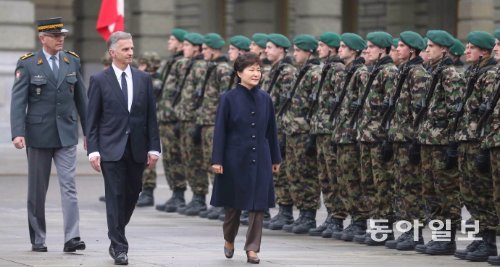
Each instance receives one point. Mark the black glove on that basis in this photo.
(177, 130)
(414, 153)
(482, 161)
(452, 156)
(311, 146)
(196, 134)
(353, 106)
(282, 144)
(386, 151)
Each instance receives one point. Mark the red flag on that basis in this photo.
(111, 18)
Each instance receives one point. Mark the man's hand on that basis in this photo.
(19, 142)
(152, 159)
(276, 168)
(217, 169)
(96, 163)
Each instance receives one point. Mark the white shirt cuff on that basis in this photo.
(94, 154)
(156, 153)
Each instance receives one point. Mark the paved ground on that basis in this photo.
(165, 239)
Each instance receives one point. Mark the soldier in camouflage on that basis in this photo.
(172, 74)
(414, 81)
(376, 179)
(322, 100)
(456, 52)
(394, 52)
(300, 148)
(215, 83)
(258, 46)
(185, 109)
(476, 186)
(279, 81)
(440, 176)
(344, 136)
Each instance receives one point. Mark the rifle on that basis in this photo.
(339, 99)
(231, 80)
(490, 106)
(200, 93)
(275, 78)
(435, 79)
(389, 114)
(361, 101)
(474, 75)
(166, 72)
(178, 91)
(314, 97)
(289, 96)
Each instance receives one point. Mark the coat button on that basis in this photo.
(253, 112)
(253, 136)
(253, 161)
(254, 148)
(253, 124)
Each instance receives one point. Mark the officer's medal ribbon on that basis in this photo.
(40, 61)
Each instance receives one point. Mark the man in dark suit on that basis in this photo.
(47, 95)
(122, 136)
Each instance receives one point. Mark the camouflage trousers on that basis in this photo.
(440, 187)
(408, 185)
(349, 180)
(281, 184)
(302, 173)
(171, 159)
(192, 156)
(327, 164)
(377, 182)
(207, 141)
(495, 171)
(476, 188)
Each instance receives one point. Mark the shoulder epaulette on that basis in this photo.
(27, 56)
(72, 53)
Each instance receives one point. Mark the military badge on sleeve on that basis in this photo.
(18, 75)
(66, 60)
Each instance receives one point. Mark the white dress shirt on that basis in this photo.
(47, 57)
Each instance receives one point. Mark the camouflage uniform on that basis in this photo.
(344, 136)
(172, 165)
(301, 169)
(283, 85)
(440, 187)
(408, 179)
(475, 187)
(322, 127)
(376, 179)
(192, 154)
(218, 83)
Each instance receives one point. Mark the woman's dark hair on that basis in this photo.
(246, 59)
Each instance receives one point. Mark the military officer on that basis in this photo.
(48, 96)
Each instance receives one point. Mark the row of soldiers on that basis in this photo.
(382, 127)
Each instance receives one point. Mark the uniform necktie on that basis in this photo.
(125, 88)
(55, 68)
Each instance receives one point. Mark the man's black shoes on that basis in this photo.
(73, 245)
(39, 248)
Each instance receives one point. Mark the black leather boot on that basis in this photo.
(321, 228)
(289, 227)
(284, 217)
(215, 213)
(336, 226)
(177, 201)
(462, 253)
(379, 239)
(308, 223)
(146, 198)
(443, 247)
(409, 242)
(358, 228)
(486, 248)
(198, 205)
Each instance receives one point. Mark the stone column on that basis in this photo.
(19, 38)
(475, 15)
(254, 16)
(315, 17)
(201, 16)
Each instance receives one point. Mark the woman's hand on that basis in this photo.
(217, 169)
(276, 168)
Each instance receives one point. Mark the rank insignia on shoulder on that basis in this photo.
(66, 59)
(27, 56)
(40, 61)
(72, 53)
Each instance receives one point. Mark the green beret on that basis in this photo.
(260, 39)
(413, 39)
(279, 40)
(425, 42)
(481, 39)
(241, 42)
(380, 39)
(395, 42)
(194, 38)
(214, 40)
(306, 42)
(331, 39)
(497, 34)
(440, 37)
(457, 49)
(353, 41)
(179, 34)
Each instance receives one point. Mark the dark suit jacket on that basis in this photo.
(45, 110)
(110, 124)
